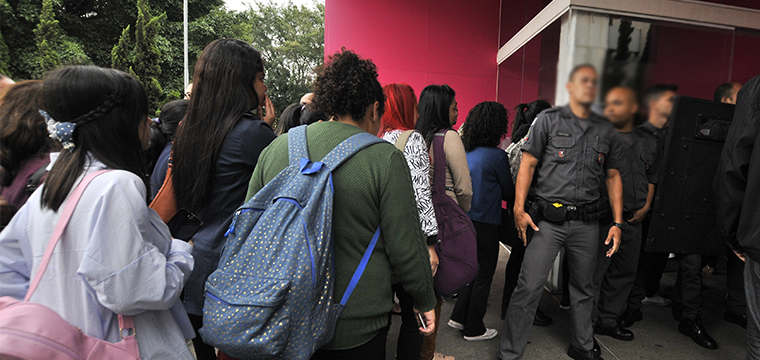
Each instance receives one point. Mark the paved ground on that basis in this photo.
(657, 337)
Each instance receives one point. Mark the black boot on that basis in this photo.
(542, 319)
(735, 318)
(578, 354)
(617, 332)
(629, 317)
(692, 327)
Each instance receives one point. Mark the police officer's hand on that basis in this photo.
(522, 221)
(639, 215)
(616, 236)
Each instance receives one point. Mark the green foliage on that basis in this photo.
(147, 54)
(48, 38)
(291, 40)
(53, 46)
(123, 35)
(5, 56)
(121, 54)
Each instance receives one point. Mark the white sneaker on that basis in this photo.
(455, 325)
(656, 300)
(490, 334)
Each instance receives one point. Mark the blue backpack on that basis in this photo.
(272, 295)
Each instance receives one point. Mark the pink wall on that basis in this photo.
(700, 60)
(422, 42)
(518, 75)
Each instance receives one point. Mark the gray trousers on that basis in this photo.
(752, 290)
(580, 240)
(615, 275)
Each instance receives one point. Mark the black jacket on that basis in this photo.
(737, 183)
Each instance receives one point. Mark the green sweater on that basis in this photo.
(373, 188)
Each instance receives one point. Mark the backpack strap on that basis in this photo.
(360, 269)
(402, 139)
(36, 179)
(439, 169)
(59, 228)
(297, 145)
(348, 148)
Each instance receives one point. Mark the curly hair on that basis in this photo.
(347, 86)
(487, 123)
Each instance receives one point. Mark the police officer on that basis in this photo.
(615, 275)
(576, 153)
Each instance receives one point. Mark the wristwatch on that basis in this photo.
(622, 226)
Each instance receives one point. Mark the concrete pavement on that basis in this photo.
(657, 336)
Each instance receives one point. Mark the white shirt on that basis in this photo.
(416, 154)
(116, 256)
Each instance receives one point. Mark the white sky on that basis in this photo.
(240, 5)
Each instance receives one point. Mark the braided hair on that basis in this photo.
(107, 107)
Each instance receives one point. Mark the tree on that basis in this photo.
(121, 54)
(291, 40)
(48, 37)
(53, 46)
(146, 66)
(5, 56)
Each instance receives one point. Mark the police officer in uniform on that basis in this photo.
(573, 152)
(615, 275)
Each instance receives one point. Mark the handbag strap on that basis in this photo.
(439, 167)
(402, 139)
(59, 228)
(360, 269)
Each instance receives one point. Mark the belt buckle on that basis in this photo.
(572, 212)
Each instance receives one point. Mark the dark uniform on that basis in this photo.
(651, 265)
(573, 155)
(615, 275)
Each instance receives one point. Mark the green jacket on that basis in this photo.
(373, 188)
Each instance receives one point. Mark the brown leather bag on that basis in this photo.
(164, 203)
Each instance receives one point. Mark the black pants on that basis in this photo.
(203, 351)
(473, 298)
(688, 288)
(409, 337)
(735, 296)
(512, 273)
(371, 350)
(650, 268)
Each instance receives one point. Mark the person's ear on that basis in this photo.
(635, 108)
(376, 111)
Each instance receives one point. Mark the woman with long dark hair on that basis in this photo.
(438, 111)
(216, 149)
(397, 127)
(24, 145)
(116, 256)
(486, 124)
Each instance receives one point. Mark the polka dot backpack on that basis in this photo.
(272, 295)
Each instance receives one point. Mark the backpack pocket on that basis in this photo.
(245, 316)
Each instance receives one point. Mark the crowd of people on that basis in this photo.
(572, 177)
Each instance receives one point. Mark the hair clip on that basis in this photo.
(61, 131)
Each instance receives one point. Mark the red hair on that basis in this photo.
(400, 105)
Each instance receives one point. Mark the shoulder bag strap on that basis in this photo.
(59, 228)
(439, 156)
(402, 139)
(360, 269)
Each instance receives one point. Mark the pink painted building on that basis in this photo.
(519, 51)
